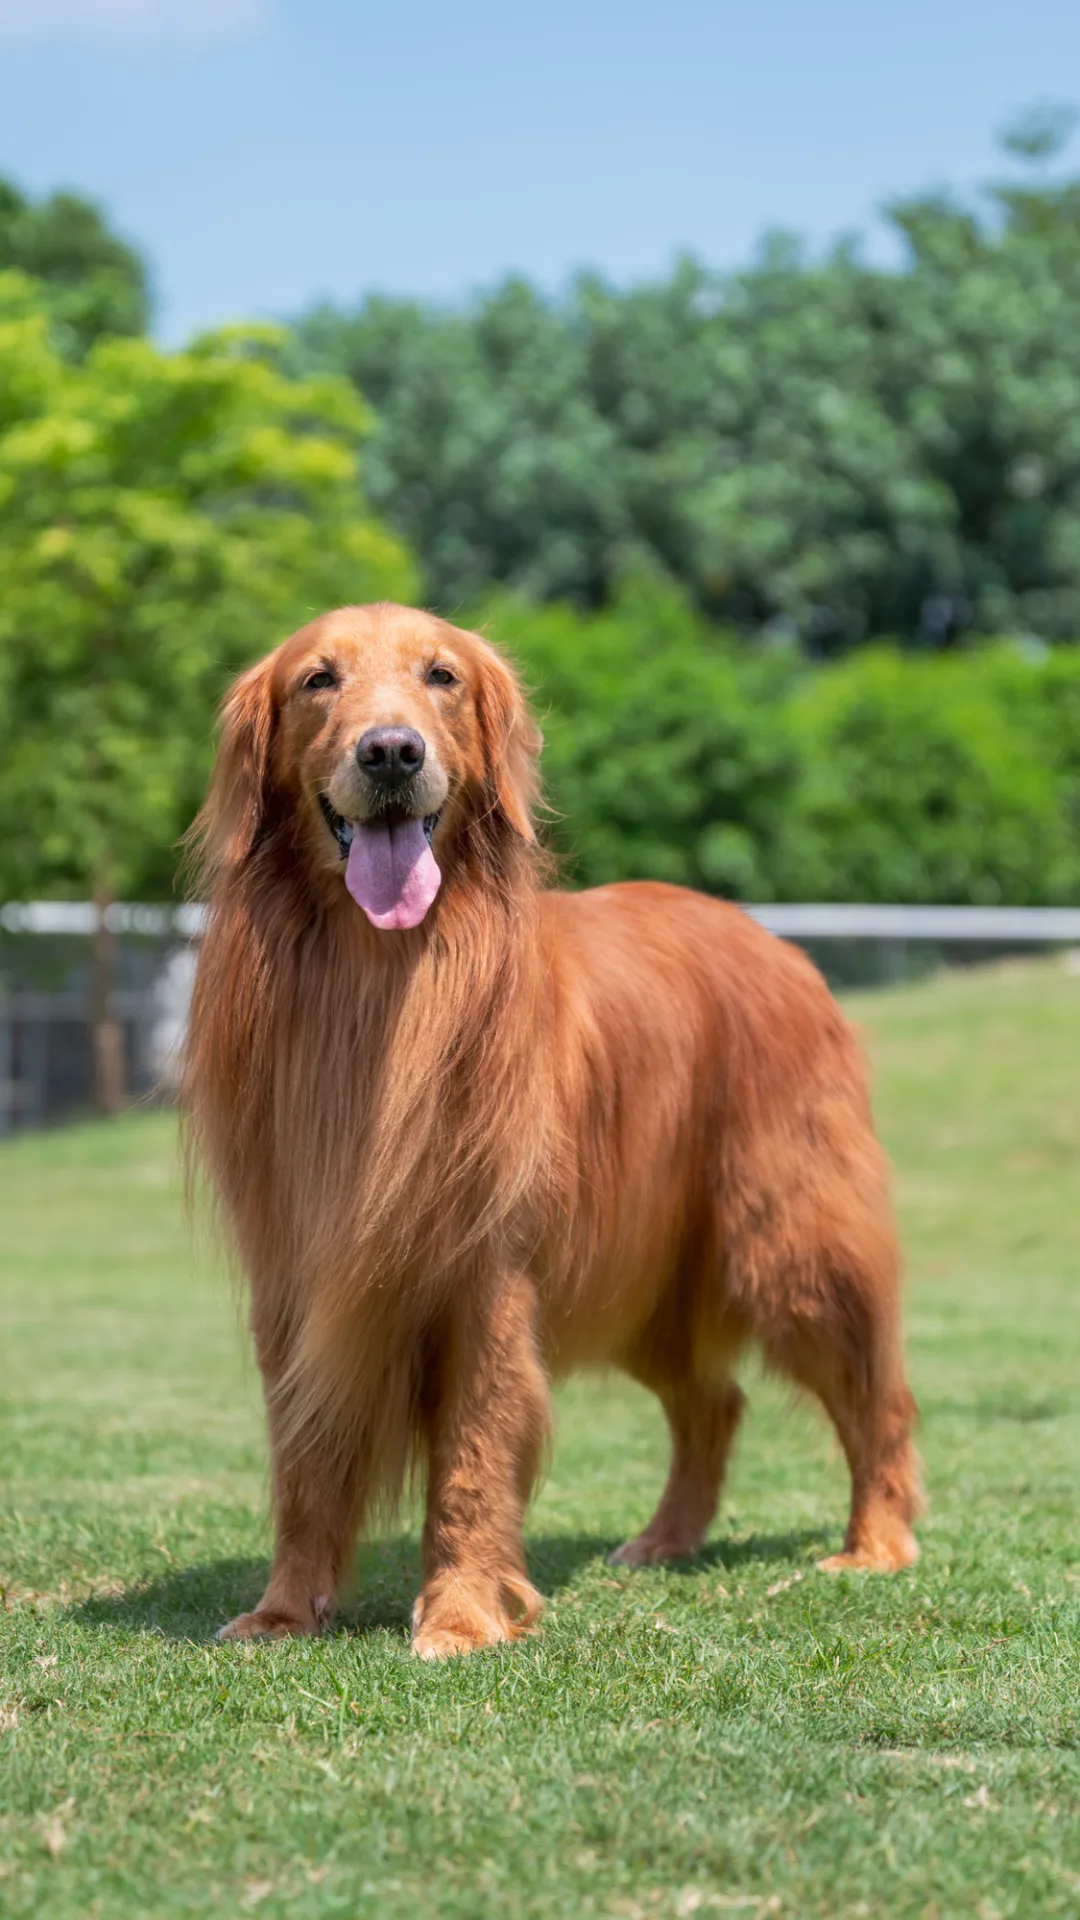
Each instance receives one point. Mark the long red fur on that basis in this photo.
(542, 1130)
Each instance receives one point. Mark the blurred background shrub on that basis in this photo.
(674, 753)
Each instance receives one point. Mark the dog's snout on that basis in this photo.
(390, 755)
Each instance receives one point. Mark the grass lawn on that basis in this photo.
(747, 1735)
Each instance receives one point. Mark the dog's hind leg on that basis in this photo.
(487, 1420)
(703, 1418)
(847, 1351)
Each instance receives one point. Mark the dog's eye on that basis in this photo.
(441, 677)
(320, 679)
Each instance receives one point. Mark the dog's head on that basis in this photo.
(388, 744)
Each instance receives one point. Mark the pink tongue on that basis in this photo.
(392, 872)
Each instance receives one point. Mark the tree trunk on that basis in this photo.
(110, 1067)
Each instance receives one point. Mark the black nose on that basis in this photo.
(390, 755)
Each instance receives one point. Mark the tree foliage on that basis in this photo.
(823, 449)
(94, 283)
(921, 780)
(163, 519)
(674, 753)
(668, 753)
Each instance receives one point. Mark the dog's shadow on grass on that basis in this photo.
(190, 1603)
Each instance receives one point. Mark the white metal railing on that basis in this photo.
(1041, 926)
(83, 917)
(1054, 926)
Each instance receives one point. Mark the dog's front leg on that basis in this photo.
(487, 1424)
(316, 1496)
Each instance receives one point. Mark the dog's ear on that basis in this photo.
(512, 743)
(235, 808)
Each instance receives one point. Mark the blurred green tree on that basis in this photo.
(95, 283)
(668, 754)
(673, 752)
(163, 518)
(822, 450)
(931, 780)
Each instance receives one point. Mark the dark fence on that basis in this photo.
(46, 1033)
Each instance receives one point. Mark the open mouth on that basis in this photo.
(343, 830)
(390, 870)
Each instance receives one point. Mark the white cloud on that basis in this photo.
(127, 19)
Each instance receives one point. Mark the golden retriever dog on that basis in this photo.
(470, 1132)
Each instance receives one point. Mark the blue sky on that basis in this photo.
(265, 152)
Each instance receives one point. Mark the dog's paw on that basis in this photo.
(457, 1618)
(888, 1554)
(648, 1551)
(447, 1643)
(262, 1625)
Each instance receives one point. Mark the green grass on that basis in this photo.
(746, 1736)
